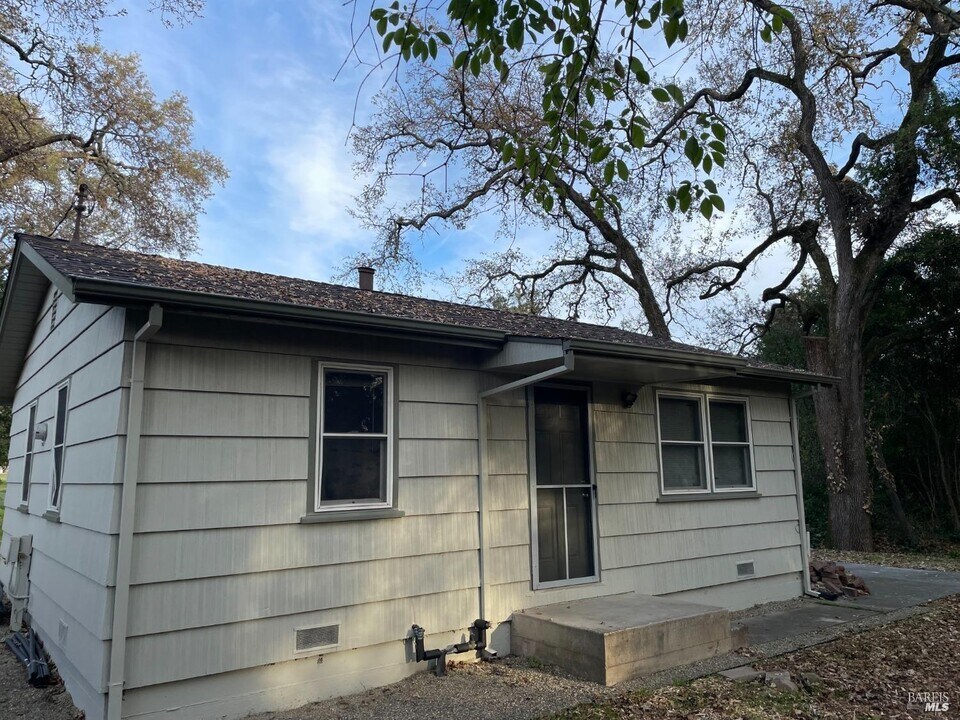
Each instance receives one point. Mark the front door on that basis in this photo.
(563, 523)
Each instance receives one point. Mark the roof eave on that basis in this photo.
(736, 366)
(103, 291)
(797, 376)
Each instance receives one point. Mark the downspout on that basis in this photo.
(566, 367)
(128, 504)
(801, 515)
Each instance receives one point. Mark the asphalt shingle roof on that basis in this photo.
(94, 262)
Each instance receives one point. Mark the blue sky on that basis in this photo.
(260, 80)
(259, 77)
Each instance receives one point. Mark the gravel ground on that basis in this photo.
(517, 689)
(19, 700)
(507, 689)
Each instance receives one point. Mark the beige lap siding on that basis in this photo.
(74, 559)
(687, 548)
(224, 572)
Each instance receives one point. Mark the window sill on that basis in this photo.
(709, 497)
(347, 515)
(24, 508)
(52, 515)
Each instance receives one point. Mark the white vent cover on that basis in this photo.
(318, 637)
(745, 569)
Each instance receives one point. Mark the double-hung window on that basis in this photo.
(355, 438)
(705, 443)
(28, 454)
(59, 441)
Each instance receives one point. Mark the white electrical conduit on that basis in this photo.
(566, 367)
(128, 504)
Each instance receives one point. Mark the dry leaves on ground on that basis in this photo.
(863, 676)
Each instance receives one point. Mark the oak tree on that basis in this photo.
(72, 112)
(833, 119)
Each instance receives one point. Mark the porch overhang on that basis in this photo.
(635, 365)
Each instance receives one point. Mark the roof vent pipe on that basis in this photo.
(365, 278)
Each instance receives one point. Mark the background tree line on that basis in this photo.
(912, 379)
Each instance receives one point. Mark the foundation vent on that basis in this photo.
(745, 569)
(314, 638)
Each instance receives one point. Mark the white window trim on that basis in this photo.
(389, 436)
(745, 401)
(707, 443)
(55, 506)
(29, 451)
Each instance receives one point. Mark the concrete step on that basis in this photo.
(616, 638)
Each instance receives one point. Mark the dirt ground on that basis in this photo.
(19, 700)
(865, 675)
(862, 676)
(944, 559)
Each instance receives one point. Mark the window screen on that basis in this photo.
(730, 444)
(59, 439)
(354, 440)
(682, 446)
(28, 455)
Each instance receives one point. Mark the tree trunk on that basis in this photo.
(875, 442)
(842, 431)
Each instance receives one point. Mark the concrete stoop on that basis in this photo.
(616, 638)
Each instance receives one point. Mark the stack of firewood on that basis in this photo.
(833, 581)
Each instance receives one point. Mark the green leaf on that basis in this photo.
(637, 136)
(661, 95)
(444, 38)
(693, 151)
(717, 202)
(766, 35)
(515, 35)
(622, 170)
(670, 30)
(608, 172)
(639, 71)
(672, 202)
(675, 93)
(706, 208)
(461, 59)
(600, 153)
(719, 131)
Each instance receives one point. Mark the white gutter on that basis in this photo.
(801, 515)
(128, 504)
(566, 367)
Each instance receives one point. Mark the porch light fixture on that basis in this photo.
(628, 398)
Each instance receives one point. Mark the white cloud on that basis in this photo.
(313, 180)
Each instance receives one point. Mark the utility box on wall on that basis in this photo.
(18, 553)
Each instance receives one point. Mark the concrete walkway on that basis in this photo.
(891, 589)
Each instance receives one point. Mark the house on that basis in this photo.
(232, 491)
